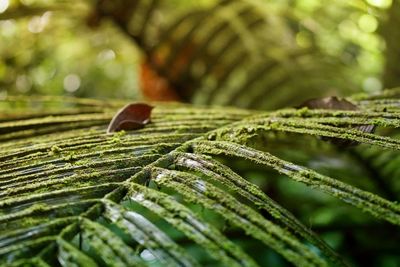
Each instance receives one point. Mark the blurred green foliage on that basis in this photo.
(57, 53)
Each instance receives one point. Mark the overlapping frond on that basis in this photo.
(239, 53)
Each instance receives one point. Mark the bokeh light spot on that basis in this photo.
(38, 23)
(4, 5)
(8, 28)
(303, 39)
(106, 55)
(380, 3)
(372, 85)
(147, 255)
(368, 23)
(348, 29)
(23, 83)
(72, 82)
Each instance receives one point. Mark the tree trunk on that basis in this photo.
(391, 33)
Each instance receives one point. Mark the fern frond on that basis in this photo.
(73, 195)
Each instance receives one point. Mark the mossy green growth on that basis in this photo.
(55, 150)
(70, 156)
(51, 169)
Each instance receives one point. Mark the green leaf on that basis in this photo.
(166, 194)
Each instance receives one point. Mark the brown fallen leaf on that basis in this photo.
(331, 102)
(132, 116)
(334, 103)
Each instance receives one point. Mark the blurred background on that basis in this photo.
(52, 48)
